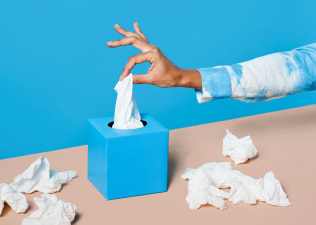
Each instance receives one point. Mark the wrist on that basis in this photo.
(190, 78)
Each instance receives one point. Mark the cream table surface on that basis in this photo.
(286, 141)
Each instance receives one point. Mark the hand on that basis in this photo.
(162, 72)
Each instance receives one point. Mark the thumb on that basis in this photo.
(142, 79)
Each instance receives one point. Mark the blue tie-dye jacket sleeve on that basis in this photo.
(262, 78)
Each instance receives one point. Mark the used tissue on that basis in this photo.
(205, 183)
(14, 199)
(39, 177)
(126, 114)
(202, 191)
(51, 211)
(239, 149)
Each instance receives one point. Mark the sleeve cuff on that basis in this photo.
(216, 84)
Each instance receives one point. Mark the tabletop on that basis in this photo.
(286, 145)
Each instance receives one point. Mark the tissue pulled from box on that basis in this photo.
(39, 177)
(239, 149)
(126, 114)
(14, 199)
(205, 183)
(51, 211)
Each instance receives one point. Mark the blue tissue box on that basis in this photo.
(126, 163)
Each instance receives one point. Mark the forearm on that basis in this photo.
(275, 75)
(262, 78)
(189, 78)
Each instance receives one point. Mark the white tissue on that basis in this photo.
(51, 211)
(14, 199)
(38, 177)
(126, 114)
(201, 191)
(205, 181)
(239, 149)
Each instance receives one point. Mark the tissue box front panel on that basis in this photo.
(135, 161)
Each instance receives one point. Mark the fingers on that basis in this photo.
(138, 31)
(142, 79)
(122, 31)
(124, 41)
(138, 40)
(126, 33)
(135, 41)
(136, 59)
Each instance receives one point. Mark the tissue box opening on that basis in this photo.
(143, 122)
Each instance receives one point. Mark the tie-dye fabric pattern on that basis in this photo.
(262, 78)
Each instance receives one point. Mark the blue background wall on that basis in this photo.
(56, 70)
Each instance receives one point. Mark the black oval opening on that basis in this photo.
(110, 124)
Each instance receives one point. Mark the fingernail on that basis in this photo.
(117, 25)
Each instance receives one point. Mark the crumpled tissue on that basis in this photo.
(205, 183)
(14, 199)
(239, 149)
(51, 211)
(126, 114)
(38, 177)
